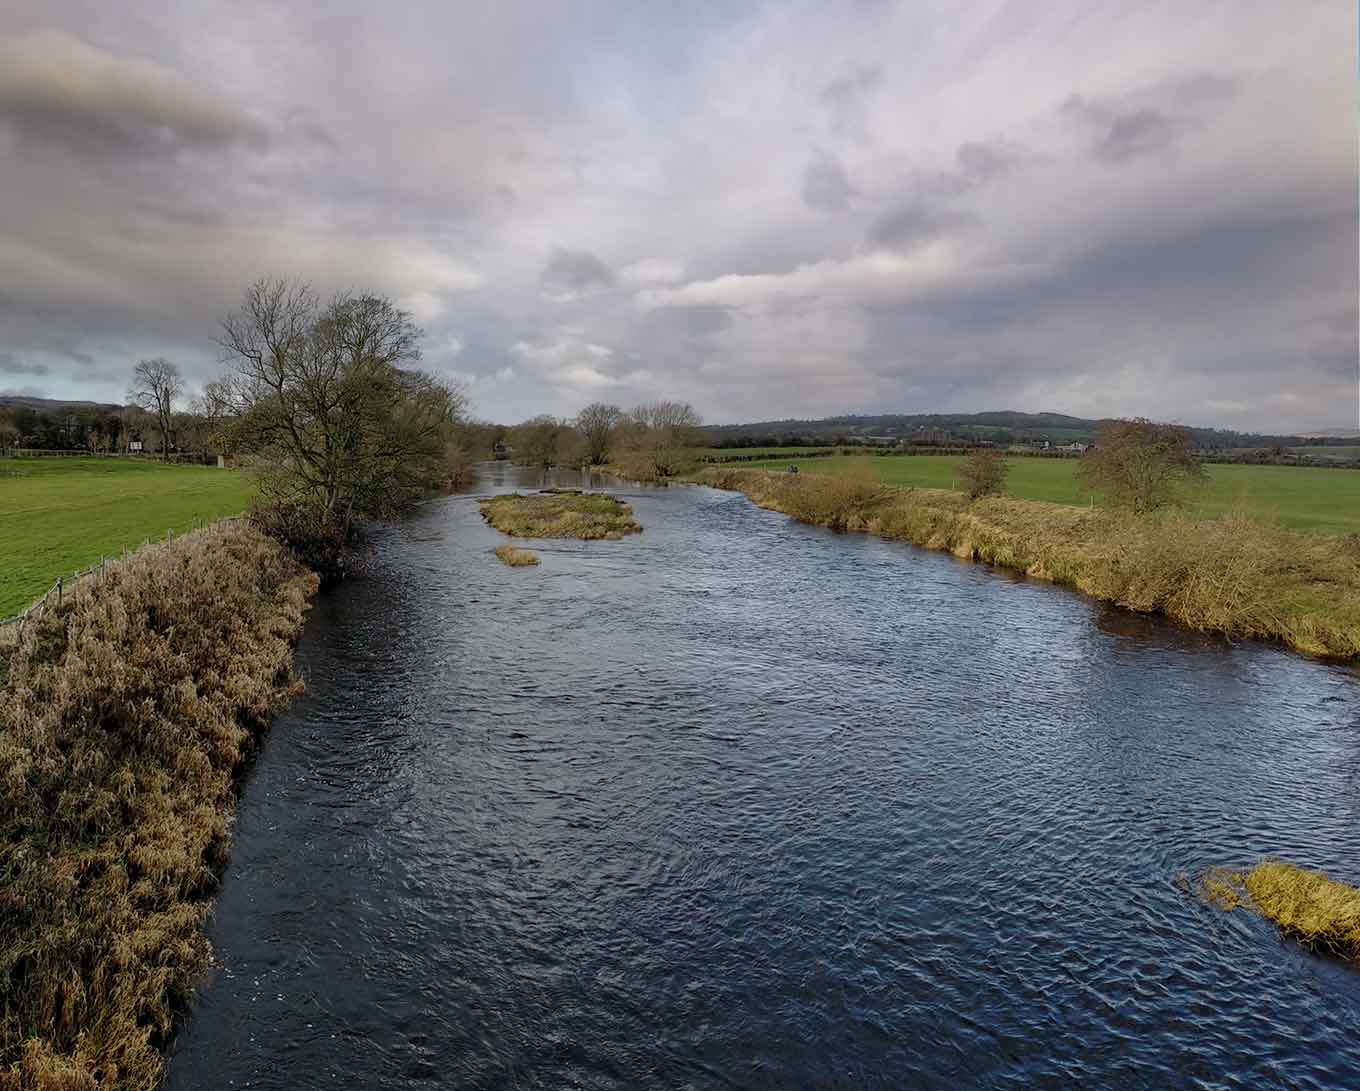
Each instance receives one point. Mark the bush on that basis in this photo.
(984, 473)
(303, 530)
(124, 720)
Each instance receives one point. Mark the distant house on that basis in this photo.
(1074, 448)
(500, 451)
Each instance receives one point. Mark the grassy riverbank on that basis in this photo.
(1232, 574)
(560, 514)
(125, 715)
(58, 515)
(1302, 497)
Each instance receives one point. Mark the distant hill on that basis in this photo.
(1004, 426)
(52, 405)
(1332, 433)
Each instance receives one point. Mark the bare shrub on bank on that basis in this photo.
(984, 473)
(1141, 465)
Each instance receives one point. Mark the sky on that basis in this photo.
(768, 210)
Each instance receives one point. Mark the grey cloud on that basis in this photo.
(12, 365)
(575, 272)
(55, 88)
(844, 98)
(826, 187)
(981, 161)
(1149, 121)
(913, 224)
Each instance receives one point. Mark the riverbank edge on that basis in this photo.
(1233, 575)
(128, 714)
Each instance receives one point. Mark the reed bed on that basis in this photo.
(560, 514)
(126, 713)
(514, 557)
(1233, 575)
(1307, 906)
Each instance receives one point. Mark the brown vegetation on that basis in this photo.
(125, 715)
(1318, 912)
(565, 514)
(1232, 575)
(515, 557)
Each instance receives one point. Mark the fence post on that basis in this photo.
(59, 579)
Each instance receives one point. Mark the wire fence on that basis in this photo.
(12, 627)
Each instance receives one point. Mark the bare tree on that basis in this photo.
(156, 386)
(1140, 464)
(597, 424)
(327, 396)
(665, 434)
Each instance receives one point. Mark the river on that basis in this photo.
(739, 802)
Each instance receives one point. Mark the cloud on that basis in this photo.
(12, 365)
(571, 274)
(651, 271)
(825, 185)
(56, 88)
(1083, 205)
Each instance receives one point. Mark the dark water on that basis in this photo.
(743, 803)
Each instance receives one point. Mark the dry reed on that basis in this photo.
(125, 716)
(515, 557)
(1307, 906)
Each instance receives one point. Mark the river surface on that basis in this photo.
(739, 802)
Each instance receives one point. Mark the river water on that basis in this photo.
(739, 802)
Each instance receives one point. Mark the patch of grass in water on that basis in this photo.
(515, 557)
(1318, 912)
(588, 516)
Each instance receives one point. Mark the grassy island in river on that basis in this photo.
(560, 514)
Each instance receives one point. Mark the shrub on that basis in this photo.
(984, 473)
(1141, 465)
(301, 528)
(126, 715)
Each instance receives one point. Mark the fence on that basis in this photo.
(12, 627)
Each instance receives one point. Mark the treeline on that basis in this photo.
(651, 442)
(100, 430)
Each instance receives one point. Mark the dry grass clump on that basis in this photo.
(1232, 575)
(560, 514)
(125, 715)
(1318, 912)
(516, 557)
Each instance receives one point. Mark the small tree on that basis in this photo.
(156, 386)
(984, 473)
(1141, 465)
(597, 424)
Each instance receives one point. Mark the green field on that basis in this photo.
(723, 454)
(1334, 454)
(58, 515)
(1310, 498)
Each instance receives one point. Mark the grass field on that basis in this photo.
(722, 454)
(1308, 498)
(58, 515)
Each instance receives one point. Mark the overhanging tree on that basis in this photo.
(327, 396)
